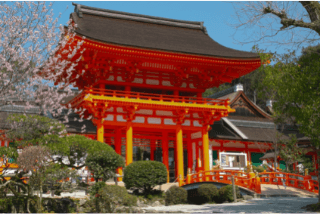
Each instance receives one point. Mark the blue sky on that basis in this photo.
(215, 15)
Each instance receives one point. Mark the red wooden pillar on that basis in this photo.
(197, 156)
(152, 149)
(201, 156)
(165, 152)
(117, 148)
(190, 152)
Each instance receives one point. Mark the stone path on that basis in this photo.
(269, 190)
(257, 205)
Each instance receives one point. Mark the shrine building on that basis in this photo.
(142, 79)
(250, 131)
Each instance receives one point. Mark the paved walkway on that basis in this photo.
(269, 190)
(257, 205)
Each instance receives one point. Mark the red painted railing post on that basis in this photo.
(287, 179)
(258, 185)
(307, 179)
(218, 175)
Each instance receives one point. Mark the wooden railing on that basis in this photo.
(150, 97)
(291, 180)
(246, 180)
(251, 181)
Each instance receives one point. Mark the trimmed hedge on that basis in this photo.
(145, 175)
(208, 193)
(176, 195)
(225, 193)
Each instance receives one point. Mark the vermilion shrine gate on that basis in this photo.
(142, 80)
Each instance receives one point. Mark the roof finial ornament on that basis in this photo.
(77, 9)
(238, 87)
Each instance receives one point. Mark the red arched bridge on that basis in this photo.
(253, 181)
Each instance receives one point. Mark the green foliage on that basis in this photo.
(291, 153)
(259, 168)
(59, 205)
(145, 175)
(32, 129)
(9, 152)
(225, 193)
(207, 193)
(119, 195)
(76, 147)
(176, 195)
(55, 178)
(96, 187)
(108, 198)
(103, 163)
(296, 82)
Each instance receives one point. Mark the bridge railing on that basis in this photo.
(243, 179)
(290, 179)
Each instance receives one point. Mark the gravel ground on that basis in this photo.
(258, 205)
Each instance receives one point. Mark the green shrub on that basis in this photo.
(96, 187)
(208, 193)
(103, 164)
(258, 168)
(118, 195)
(225, 193)
(176, 195)
(108, 198)
(145, 175)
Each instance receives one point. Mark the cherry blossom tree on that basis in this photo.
(34, 51)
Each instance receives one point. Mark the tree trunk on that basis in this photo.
(40, 193)
(28, 205)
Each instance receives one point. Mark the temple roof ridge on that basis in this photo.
(80, 9)
(235, 88)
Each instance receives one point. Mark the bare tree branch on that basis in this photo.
(277, 23)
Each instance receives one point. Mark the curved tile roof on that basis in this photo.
(150, 32)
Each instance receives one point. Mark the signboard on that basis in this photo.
(236, 161)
